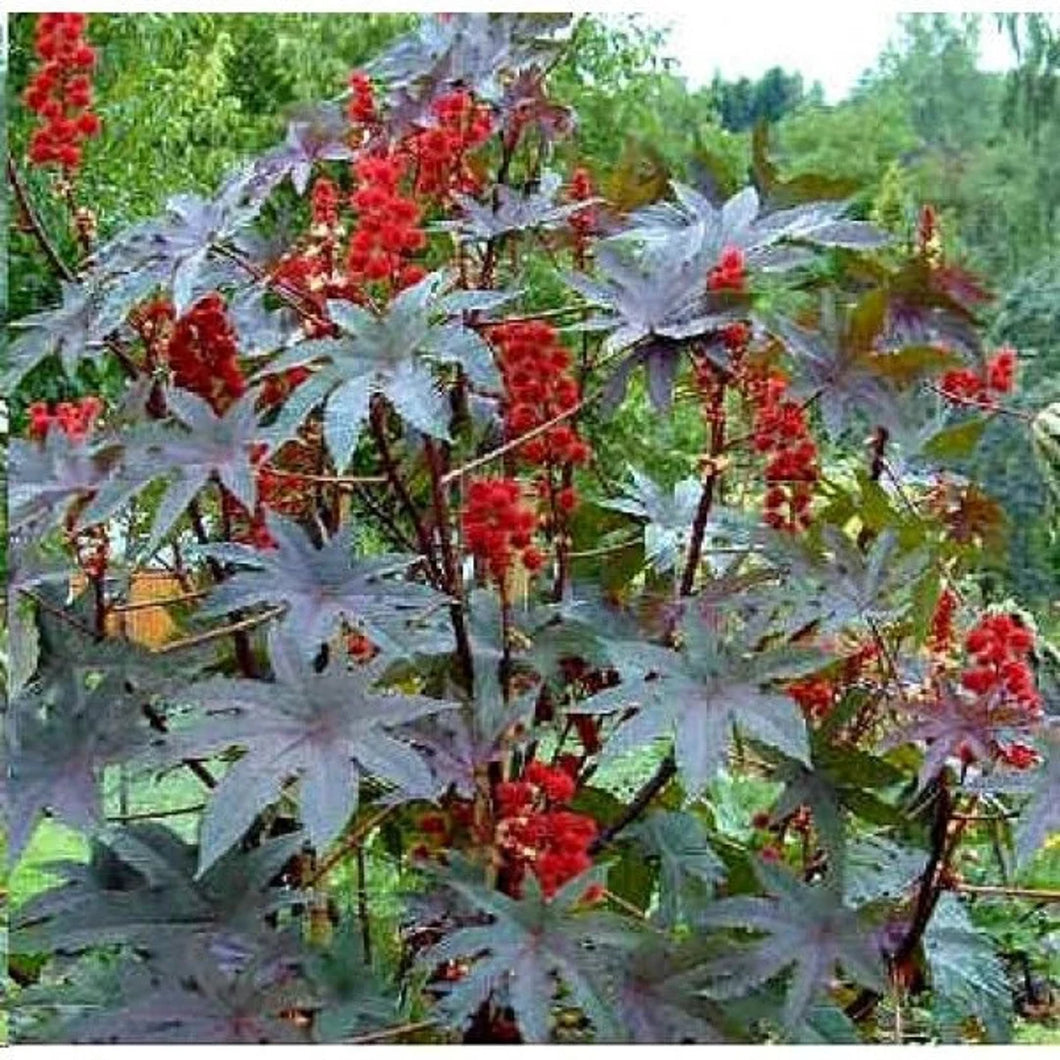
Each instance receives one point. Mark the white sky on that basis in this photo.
(830, 43)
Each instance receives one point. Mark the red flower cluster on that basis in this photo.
(533, 834)
(361, 108)
(815, 696)
(75, 418)
(582, 222)
(1000, 645)
(736, 336)
(942, 635)
(203, 354)
(61, 91)
(387, 226)
(314, 273)
(730, 274)
(538, 387)
(498, 526)
(280, 384)
(782, 432)
(439, 153)
(966, 386)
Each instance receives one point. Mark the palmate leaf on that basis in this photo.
(352, 995)
(654, 273)
(322, 587)
(697, 696)
(952, 722)
(460, 745)
(838, 782)
(1039, 818)
(390, 355)
(739, 222)
(317, 133)
(658, 991)
(967, 978)
(46, 478)
(140, 889)
(686, 862)
(74, 331)
(530, 943)
(543, 635)
(838, 586)
(191, 1001)
(807, 929)
(844, 375)
(472, 49)
(59, 737)
(329, 729)
(515, 211)
(175, 250)
(669, 519)
(193, 451)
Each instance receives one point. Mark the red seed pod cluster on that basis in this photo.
(439, 153)
(359, 648)
(204, 356)
(815, 696)
(538, 386)
(966, 386)
(942, 637)
(388, 226)
(61, 91)
(499, 526)
(74, 418)
(361, 107)
(278, 386)
(730, 273)
(536, 835)
(781, 433)
(582, 222)
(928, 237)
(736, 336)
(999, 646)
(315, 272)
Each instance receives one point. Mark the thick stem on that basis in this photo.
(244, 654)
(454, 582)
(706, 498)
(377, 423)
(36, 227)
(667, 769)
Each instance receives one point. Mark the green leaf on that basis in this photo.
(957, 441)
(967, 978)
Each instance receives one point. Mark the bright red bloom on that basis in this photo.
(439, 153)
(498, 526)
(536, 835)
(942, 635)
(814, 695)
(730, 274)
(361, 107)
(387, 225)
(74, 418)
(965, 386)
(60, 92)
(203, 355)
(781, 433)
(999, 645)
